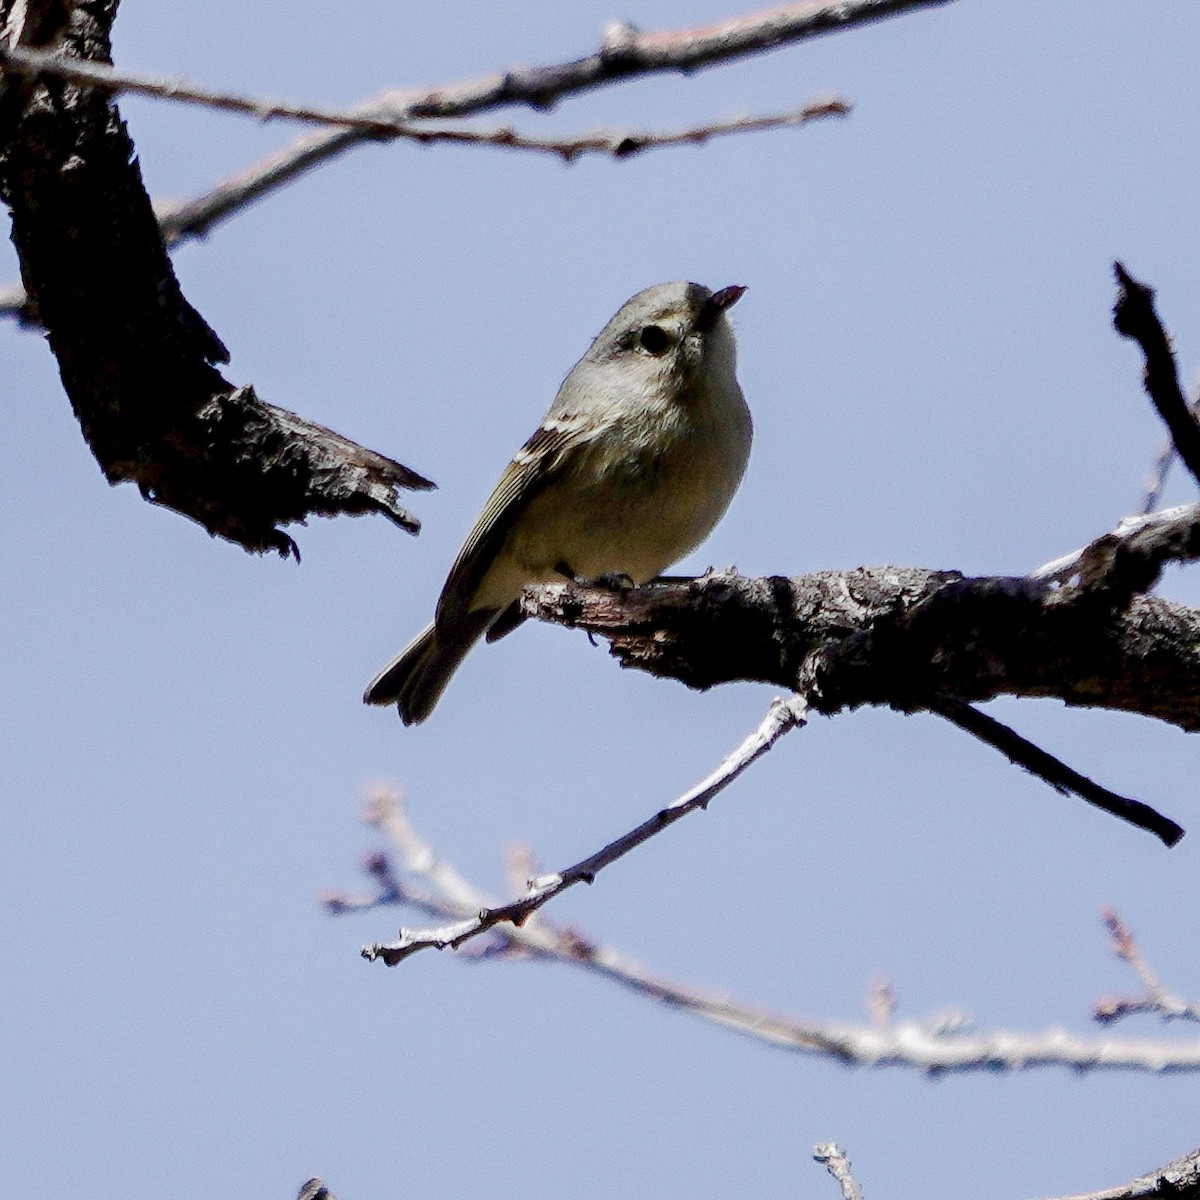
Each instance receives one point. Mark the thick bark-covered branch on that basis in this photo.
(136, 359)
(1178, 1180)
(899, 637)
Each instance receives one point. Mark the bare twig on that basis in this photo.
(782, 716)
(180, 220)
(624, 145)
(35, 64)
(834, 1159)
(376, 123)
(1152, 495)
(626, 53)
(1157, 999)
(1057, 774)
(431, 885)
(1134, 317)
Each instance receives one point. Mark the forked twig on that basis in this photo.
(934, 1046)
(1157, 999)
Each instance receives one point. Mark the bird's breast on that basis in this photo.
(638, 496)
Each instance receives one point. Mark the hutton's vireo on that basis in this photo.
(633, 464)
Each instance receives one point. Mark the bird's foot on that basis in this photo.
(612, 581)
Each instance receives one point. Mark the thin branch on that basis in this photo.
(1057, 774)
(1155, 485)
(626, 52)
(39, 64)
(834, 1159)
(1134, 317)
(427, 882)
(625, 145)
(783, 715)
(373, 121)
(181, 220)
(1157, 999)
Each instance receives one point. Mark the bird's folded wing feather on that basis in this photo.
(535, 465)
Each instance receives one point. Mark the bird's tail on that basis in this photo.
(415, 679)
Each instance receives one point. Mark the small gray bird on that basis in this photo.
(632, 466)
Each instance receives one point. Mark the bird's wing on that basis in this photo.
(533, 466)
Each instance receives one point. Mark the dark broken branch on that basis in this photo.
(136, 359)
(1134, 317)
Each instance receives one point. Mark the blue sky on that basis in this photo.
(927, 350)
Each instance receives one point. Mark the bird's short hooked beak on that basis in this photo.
(716, 304)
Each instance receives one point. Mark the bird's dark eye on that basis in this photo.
(654, 339)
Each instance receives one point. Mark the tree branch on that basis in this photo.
(1134, 317)
(181, 220)
(136, 359)
(374, 122)
(782, 717)
(1132, 556)
(899, 637)
(1178, 1180)
(429, 884)
(1057, 774)
(626, 52)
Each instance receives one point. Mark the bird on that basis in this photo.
(633, 464)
